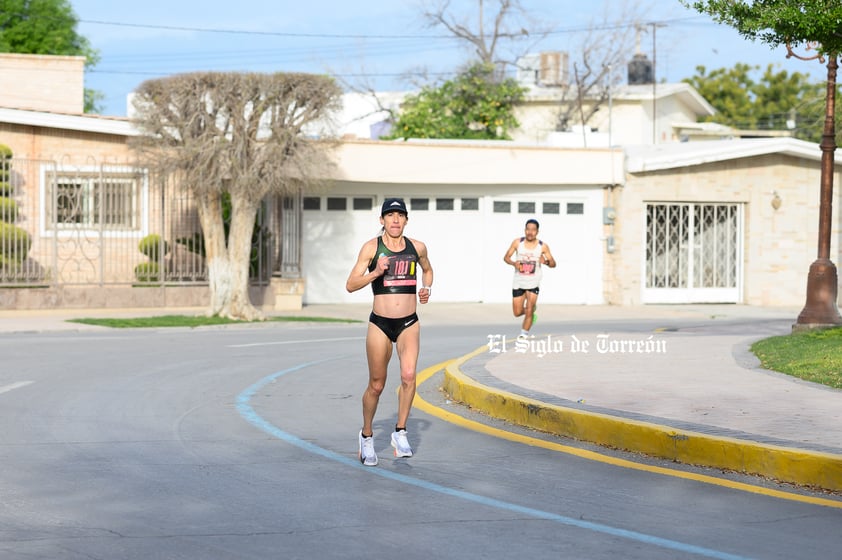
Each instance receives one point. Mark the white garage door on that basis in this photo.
(451, 227)
(334, 230)
(572, 227)
(466, 237)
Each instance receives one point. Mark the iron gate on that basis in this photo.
(693, 253)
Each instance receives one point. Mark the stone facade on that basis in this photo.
(779, 243)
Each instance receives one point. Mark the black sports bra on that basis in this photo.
(400, 278)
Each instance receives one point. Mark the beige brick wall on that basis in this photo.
(43, 83)
(778, 245)
(65, 146)
(74, 259)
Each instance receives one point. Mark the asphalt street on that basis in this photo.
(240, 442)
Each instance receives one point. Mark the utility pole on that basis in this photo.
(655, 26)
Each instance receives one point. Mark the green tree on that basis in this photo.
(780, 22)
(471, 106)
(801, 24)
(807, 25)
(46, 27)
(778, 100)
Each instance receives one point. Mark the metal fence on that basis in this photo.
(692, 245)
(107, 224)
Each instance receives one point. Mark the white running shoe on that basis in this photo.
(401, 444)
(367, 455)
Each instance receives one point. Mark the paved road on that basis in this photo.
(240, 442)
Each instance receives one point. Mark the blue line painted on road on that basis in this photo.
(249, 414)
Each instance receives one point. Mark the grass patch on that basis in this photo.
(193, 321)
(811, 355)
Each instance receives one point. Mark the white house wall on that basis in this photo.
(475, 163)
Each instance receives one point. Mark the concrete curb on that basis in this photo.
(797, 466)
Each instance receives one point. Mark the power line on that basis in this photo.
(561, 31)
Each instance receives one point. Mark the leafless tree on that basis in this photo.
(240, 133)
(494, 37)
(598, 61)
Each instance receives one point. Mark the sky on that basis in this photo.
(375, 43)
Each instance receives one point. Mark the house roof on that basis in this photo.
(683, 91)
(657, 157)
(686, 93)
(119, 126)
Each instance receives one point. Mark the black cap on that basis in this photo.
(393, 205)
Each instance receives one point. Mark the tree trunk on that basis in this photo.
(243, 214)
(216, 254)
(228, 263)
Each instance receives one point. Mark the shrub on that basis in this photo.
(151, 244)
(147, 272)
(5, 188)
(5, 156)
(194, 244)
(8, 209)
(14, 242)
(8, 267)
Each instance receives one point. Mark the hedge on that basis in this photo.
(15, 242)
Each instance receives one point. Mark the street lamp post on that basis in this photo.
(820, 310)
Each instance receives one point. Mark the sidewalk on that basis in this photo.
(697, 395)
(692, 392)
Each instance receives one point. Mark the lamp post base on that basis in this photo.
(820, 311)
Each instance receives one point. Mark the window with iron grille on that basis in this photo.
(95, 201)
(692, 245)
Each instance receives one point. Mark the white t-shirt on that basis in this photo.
(528, 274)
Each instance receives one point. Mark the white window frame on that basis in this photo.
(87, 178)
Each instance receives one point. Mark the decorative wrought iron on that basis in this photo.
(692, 245)
(111, 224)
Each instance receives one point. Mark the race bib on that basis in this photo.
(401, 271)
(527, 268)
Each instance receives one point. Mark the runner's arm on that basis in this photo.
(426, 272)
(360, 277)
(507, 258)
(547, 256)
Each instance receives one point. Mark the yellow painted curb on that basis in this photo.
(810, 468)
